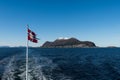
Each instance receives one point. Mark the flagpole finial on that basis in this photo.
(27, 26)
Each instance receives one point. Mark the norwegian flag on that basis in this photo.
(32, 36)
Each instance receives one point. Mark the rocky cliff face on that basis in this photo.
(68, 43)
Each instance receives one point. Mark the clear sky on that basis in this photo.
(91, 20)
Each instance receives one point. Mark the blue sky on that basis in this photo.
(91, 20)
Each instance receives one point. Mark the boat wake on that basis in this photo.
(39, 68)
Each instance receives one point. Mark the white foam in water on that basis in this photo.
(15, 69)
(35, 69)
(9, 71)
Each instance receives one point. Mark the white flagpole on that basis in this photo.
(27, 45)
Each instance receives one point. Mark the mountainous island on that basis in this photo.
(68, 43)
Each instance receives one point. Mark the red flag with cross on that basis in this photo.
(32, 36)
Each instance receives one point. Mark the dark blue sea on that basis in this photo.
(61, 64)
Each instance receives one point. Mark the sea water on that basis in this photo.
(60, 64)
